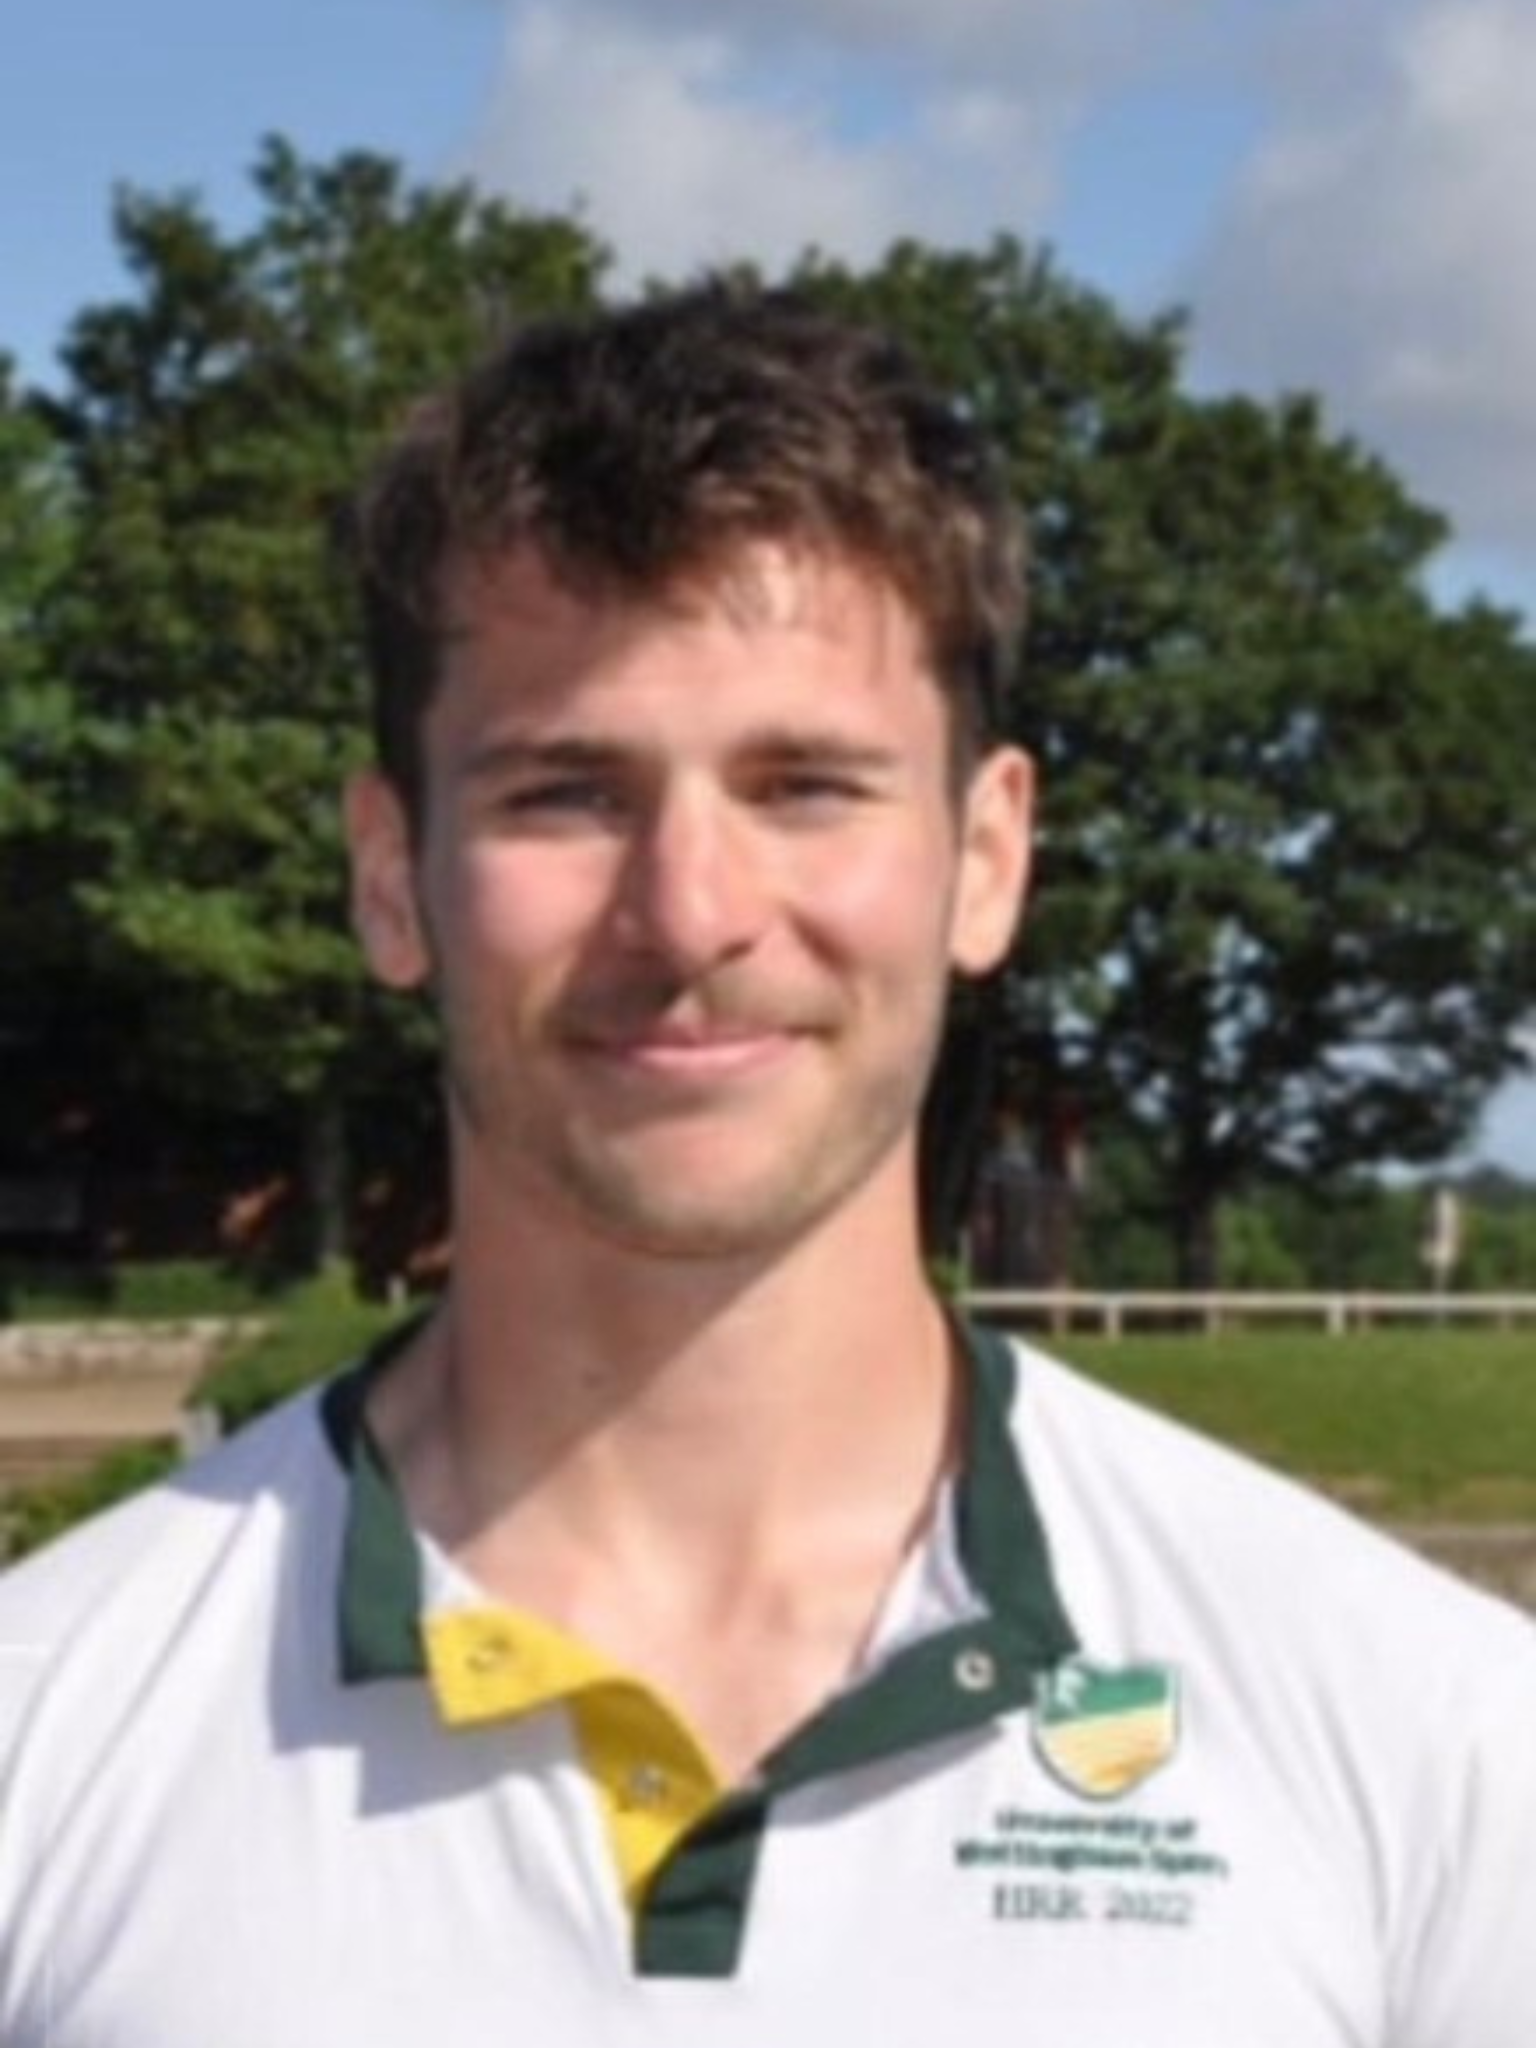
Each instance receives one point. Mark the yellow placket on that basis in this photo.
(653, 1777)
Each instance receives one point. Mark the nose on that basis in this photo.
(695, 887)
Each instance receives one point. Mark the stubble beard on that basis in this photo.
(742, 1179)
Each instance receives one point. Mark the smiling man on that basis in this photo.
(690, 1633)
(688, 881)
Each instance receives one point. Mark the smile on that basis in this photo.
(698, 1056)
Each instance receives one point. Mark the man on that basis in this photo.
(688, 1634)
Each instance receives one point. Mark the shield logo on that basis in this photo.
(1098, 1732)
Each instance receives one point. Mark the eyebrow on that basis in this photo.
(799, 748)
(519, 756)
(793, 746)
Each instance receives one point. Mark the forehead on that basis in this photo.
(515, 622)
(753, 582)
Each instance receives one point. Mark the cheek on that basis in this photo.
(494, 911)
(888, 903)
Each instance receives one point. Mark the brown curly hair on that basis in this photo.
(640, 448)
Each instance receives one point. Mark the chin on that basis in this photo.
(701, 1194)
(691, 1238)
(697, 1223)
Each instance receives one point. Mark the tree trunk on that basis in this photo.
(1197, 1248)
(327, 1179)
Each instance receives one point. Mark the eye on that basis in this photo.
(813, 787)
(560, 802)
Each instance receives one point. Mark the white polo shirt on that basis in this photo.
(1150, 1747)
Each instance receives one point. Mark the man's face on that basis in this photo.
(689, 885)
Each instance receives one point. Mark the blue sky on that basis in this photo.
(1341, 191)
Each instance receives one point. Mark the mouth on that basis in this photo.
(693, 1055)
(689, 1049)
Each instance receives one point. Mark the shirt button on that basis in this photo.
(646, 1785)
(975, 1671)
(490, 1654)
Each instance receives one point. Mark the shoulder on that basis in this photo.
(1345, 1710)
(124, 1575)
(1143, 1511)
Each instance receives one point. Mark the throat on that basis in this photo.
(723, 1682)
(730, 1543)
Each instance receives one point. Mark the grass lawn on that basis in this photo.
(319, 1328)
(1433, 1424)
(1402, 1423)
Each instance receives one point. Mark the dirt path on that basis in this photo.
(91, 1408)
(1500, 1557)
(50, 1429)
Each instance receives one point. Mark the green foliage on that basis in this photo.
(34, 702)
(211, 427)
(33, 1291)
(1121, 1233)
(1500, 1255)
(1303, 966)
(1414, 1422)
(35, 1515)
(1277, 781)
(172, 1288)
(320, 1326)
(1253, 1254)
(1354, 1234)
(39, 729)
(1285, 925)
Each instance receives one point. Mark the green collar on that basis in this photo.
(1001, 1541)
(694, 1915)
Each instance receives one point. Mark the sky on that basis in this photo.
(1342, 193)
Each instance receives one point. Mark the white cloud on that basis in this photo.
(1379, 246)
(671, 167)
(1383, 248)
(694, 133)
(1041, 45)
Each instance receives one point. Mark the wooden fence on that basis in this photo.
(1111, 1314)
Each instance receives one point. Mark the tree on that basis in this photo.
(1281, 817)
(1075, 397)
(41, 1025)
(1266, 941)
(1286, 920)
(212, 424)
(1500, 1233)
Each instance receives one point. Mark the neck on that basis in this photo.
(707, 1410)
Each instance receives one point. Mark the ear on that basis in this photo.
(385, 912)
(996, 820)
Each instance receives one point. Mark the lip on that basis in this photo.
(690, 1055)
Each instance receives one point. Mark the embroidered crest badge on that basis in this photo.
(1098, 1732)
